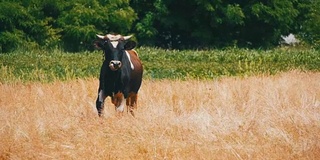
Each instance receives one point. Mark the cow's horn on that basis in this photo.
(99, 36)
(127, 37)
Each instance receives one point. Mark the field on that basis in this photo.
(254, 117)
(193, 104)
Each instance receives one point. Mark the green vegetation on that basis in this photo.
(229, 62)
(45, 66)
(177, 24)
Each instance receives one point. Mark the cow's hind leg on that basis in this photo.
(100, 102)
(132, 102)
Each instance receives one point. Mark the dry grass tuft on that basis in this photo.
(261, 117)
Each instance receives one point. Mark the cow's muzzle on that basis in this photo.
(114, 65)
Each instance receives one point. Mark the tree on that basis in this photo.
(206, 23)
(308, 22)
(23, 25)
(15, 22)
(70, 24)
(85, 19)
(179, 24)
(266, 21)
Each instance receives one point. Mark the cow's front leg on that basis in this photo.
(100, 102)
(119, 101)
(120, 108)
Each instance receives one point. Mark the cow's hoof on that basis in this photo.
(132, 113)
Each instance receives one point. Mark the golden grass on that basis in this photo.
(261, 117)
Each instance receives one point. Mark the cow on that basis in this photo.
(121, 73)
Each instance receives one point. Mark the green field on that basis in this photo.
(48, 66)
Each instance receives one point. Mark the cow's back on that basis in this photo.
(136, 74)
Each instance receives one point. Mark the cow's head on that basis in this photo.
(114, 46)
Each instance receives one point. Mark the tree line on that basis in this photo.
(178, 24)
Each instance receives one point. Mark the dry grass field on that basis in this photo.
(260, 117)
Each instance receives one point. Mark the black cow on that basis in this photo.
(121, 72)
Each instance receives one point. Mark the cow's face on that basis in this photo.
(114, 47)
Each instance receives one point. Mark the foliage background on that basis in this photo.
(179, 24)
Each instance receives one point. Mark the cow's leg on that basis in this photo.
(119, 101)
(116, 99)
(100, 102)
(120, 106)
(132, 102)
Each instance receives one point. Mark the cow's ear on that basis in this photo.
(130, 45)
(97, 44)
